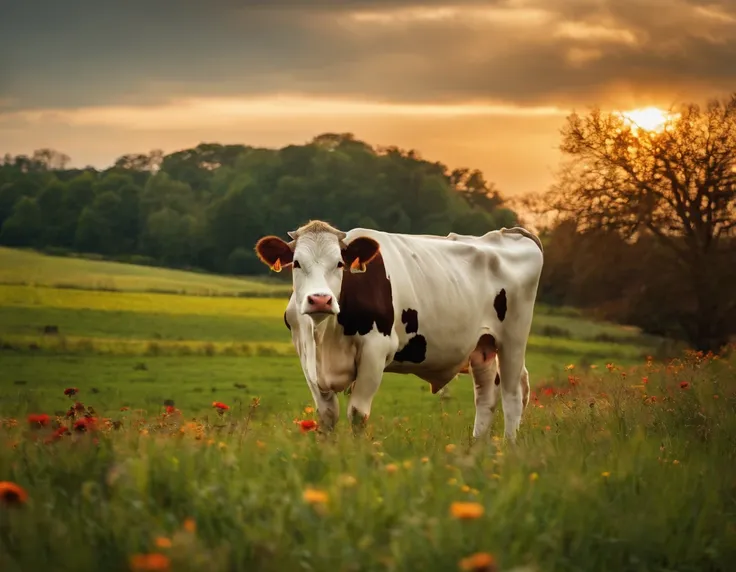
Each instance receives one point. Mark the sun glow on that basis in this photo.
(648, 118)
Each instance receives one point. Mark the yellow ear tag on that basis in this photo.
(356, 267)
(276, 265)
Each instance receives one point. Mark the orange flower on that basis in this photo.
(71, 391)
(150, 563)
(58, 434)
(190, 525)
(314, 496)
(38, 419)
(467, 510)
(479, 562)
(684, 385)
(12, 494)
(308, 410)
(308, 425)
(163, 542)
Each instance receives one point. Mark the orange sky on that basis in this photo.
(483, 84)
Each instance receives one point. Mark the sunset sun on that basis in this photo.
(648, 118)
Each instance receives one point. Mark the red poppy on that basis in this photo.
(220, 406)
(85, 424)
(71, 391)
(171, 410)
(38, 419)
(684, 385)
(58, 434)
(12, 494)
(308, 425)
(78, 406)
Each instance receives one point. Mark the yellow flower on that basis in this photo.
(675, 462)
(452, 481)
(391, 468)
(221, 445)
(496, 476)
(425, 459)
(533, 477)
(407, 464)
(606, 474)
(465, 488)
(449, 448)
(347, 481)
(570, 367)
(466, 510)
(314, 496)
(163, 542)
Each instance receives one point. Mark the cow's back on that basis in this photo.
(446, 293)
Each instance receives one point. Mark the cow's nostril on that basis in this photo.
(310, 300)
(328, 301)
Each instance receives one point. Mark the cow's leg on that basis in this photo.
(484, 369)
(525, 389)
(328, 407)
(511, 368)
(368, 380)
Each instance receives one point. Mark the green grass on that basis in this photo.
(32, 268)
(603, 478)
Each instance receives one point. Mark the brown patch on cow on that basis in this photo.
(415, 351)
(500, 304)
(286, 322)
(410, 319)
(274, 252)
(366, 299)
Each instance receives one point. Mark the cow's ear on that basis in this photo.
(274, 252)
(359, 253)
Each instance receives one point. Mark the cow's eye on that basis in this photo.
(296, 264)
(340, 264)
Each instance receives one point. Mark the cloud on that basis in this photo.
(507, 52)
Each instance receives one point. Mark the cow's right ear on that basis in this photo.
(274, 252)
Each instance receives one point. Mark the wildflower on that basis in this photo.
(465, 488)
(12, 494)
(308, 410)
(407, 464)
(716, 396)
(58, 434)
(85, 424)
(391, 468)
(221, 407)
(308, 425)
(645, 380)
(684, 385)
(38, 419)
(479, 562)
(171, 410)
(150, 563)
(190, 525)
(570, 367)
(222, 445)
(496, 476)
(69, 391)
(314, 496)
(449, 448)
(610, 367)
(606, 474)
(347, 481)
(547, 428)
(425, 459)
(163, 542)
(260, 444)
(452, 481)
(124, 408)
(466, 510)
(675, 462)
(533, 477)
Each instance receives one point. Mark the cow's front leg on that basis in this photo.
(328, 407)
(368, 380)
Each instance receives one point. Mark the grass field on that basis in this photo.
(621, 463)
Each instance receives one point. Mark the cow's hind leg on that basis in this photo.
(512, 369)
(483, 367)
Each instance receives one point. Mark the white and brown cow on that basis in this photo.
(367, 302)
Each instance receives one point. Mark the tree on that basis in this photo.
(677, 184)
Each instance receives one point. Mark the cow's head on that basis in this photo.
(319, 256)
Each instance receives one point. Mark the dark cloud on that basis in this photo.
(86, 52)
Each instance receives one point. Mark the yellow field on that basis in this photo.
(24, 267)
(46, 297)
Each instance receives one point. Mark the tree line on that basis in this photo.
(641, 224)
(206, 207)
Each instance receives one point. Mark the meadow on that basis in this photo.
(151, 430)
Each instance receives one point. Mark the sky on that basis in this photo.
(480, 84)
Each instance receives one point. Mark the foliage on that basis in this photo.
(615, 469)
(677, 185)
(206, 207)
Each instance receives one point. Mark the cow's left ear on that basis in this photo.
(274, 252)
(359, 253)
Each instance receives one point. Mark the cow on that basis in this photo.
(365, 302)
